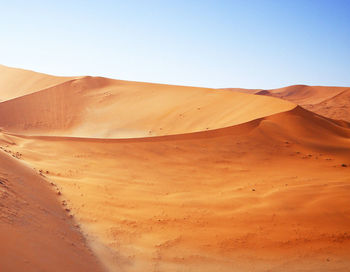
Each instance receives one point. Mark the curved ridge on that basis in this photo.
(295, 123)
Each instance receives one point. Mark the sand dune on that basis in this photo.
(105, 108)
(229, 181)
(36, 233)
(17, 82)
(267, 195)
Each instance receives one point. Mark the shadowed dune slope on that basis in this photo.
(35, 232)
(17, 82)
(106, 108)
(267, 195)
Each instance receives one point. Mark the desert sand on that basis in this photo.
(153, 177)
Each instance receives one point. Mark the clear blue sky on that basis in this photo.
(249, 44)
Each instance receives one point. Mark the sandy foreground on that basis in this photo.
(203, 180)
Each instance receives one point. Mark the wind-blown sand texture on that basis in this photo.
(172, 178)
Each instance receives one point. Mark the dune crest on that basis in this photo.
(106, 108)
(16, 82)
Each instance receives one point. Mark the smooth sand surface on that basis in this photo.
(227, 181)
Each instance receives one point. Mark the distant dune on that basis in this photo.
(336, 107)
(333, 102)
(173, 178)
(306, 95)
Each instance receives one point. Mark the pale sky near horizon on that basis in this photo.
(248, 44)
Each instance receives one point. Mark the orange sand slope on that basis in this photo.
(17, 82)
(267, 195)
(35, 232)
(332, 102)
